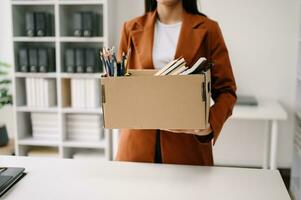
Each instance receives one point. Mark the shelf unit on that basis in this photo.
(295, 184)
(60, 39)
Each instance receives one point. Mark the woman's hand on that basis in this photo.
(200, 132)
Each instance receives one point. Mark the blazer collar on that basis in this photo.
(189, 42)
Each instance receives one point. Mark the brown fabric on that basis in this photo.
(199, 36)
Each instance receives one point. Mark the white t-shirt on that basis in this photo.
(165, 43)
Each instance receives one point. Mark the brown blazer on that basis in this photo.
(199, 36)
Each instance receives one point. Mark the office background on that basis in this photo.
(262, 38)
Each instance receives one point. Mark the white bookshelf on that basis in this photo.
(295, 184)
(60, 39)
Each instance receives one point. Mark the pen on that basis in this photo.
(127, 61)
(103, 64)
(123, 64)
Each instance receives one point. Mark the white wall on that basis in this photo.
(6, 114)
(126, 10)
(262, 40)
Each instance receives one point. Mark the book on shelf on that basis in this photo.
(88, 25)
(92, 93)
(82, 95)
(77, 24)
(85, 93)
(45, 136)
(79, 60)
(35, 60)
(30, 24)
(84, 127)
(46, 60)
(38, 24)
(41, 24)
(91, 57)
(40, 92)
(45, 126)
(73, 93)
(28, 90)
(84, 117)
(44, 117)
(70, 60)
(23, 60)
(82, 60)
(84, 24)
(49, 95)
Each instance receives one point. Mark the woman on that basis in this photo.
(170, 29)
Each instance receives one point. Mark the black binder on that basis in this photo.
(51, 59)
(77, 24)
(46, 60)
(70, 60)
(30, 24)
(41, 24)
(88, 25)
(23, 60)
(33, 60)
(79, 60)
(43, 60)
(90, 55)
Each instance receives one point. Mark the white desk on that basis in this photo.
(272, 112)
(54, 179)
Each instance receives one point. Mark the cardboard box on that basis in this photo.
(144, 101)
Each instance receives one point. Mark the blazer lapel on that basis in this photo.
(192, 35)
(143, 39)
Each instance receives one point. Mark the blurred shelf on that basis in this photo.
(34, 39)
(33, 2)
(85, 144)
(82, 110)
(81, 75)
(38, 142)
(82, 39)
(36, 109)
(78, 2)
(35, 75)
(299, 115)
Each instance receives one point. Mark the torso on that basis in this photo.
(165, 43)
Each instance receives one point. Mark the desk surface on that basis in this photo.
(266, 110)
(74, 179)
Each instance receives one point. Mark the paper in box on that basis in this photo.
(145, 101)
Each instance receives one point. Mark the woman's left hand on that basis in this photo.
(200, 132)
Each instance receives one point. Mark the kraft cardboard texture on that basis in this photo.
(144, 101)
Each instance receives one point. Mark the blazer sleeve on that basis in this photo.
(223, 82)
